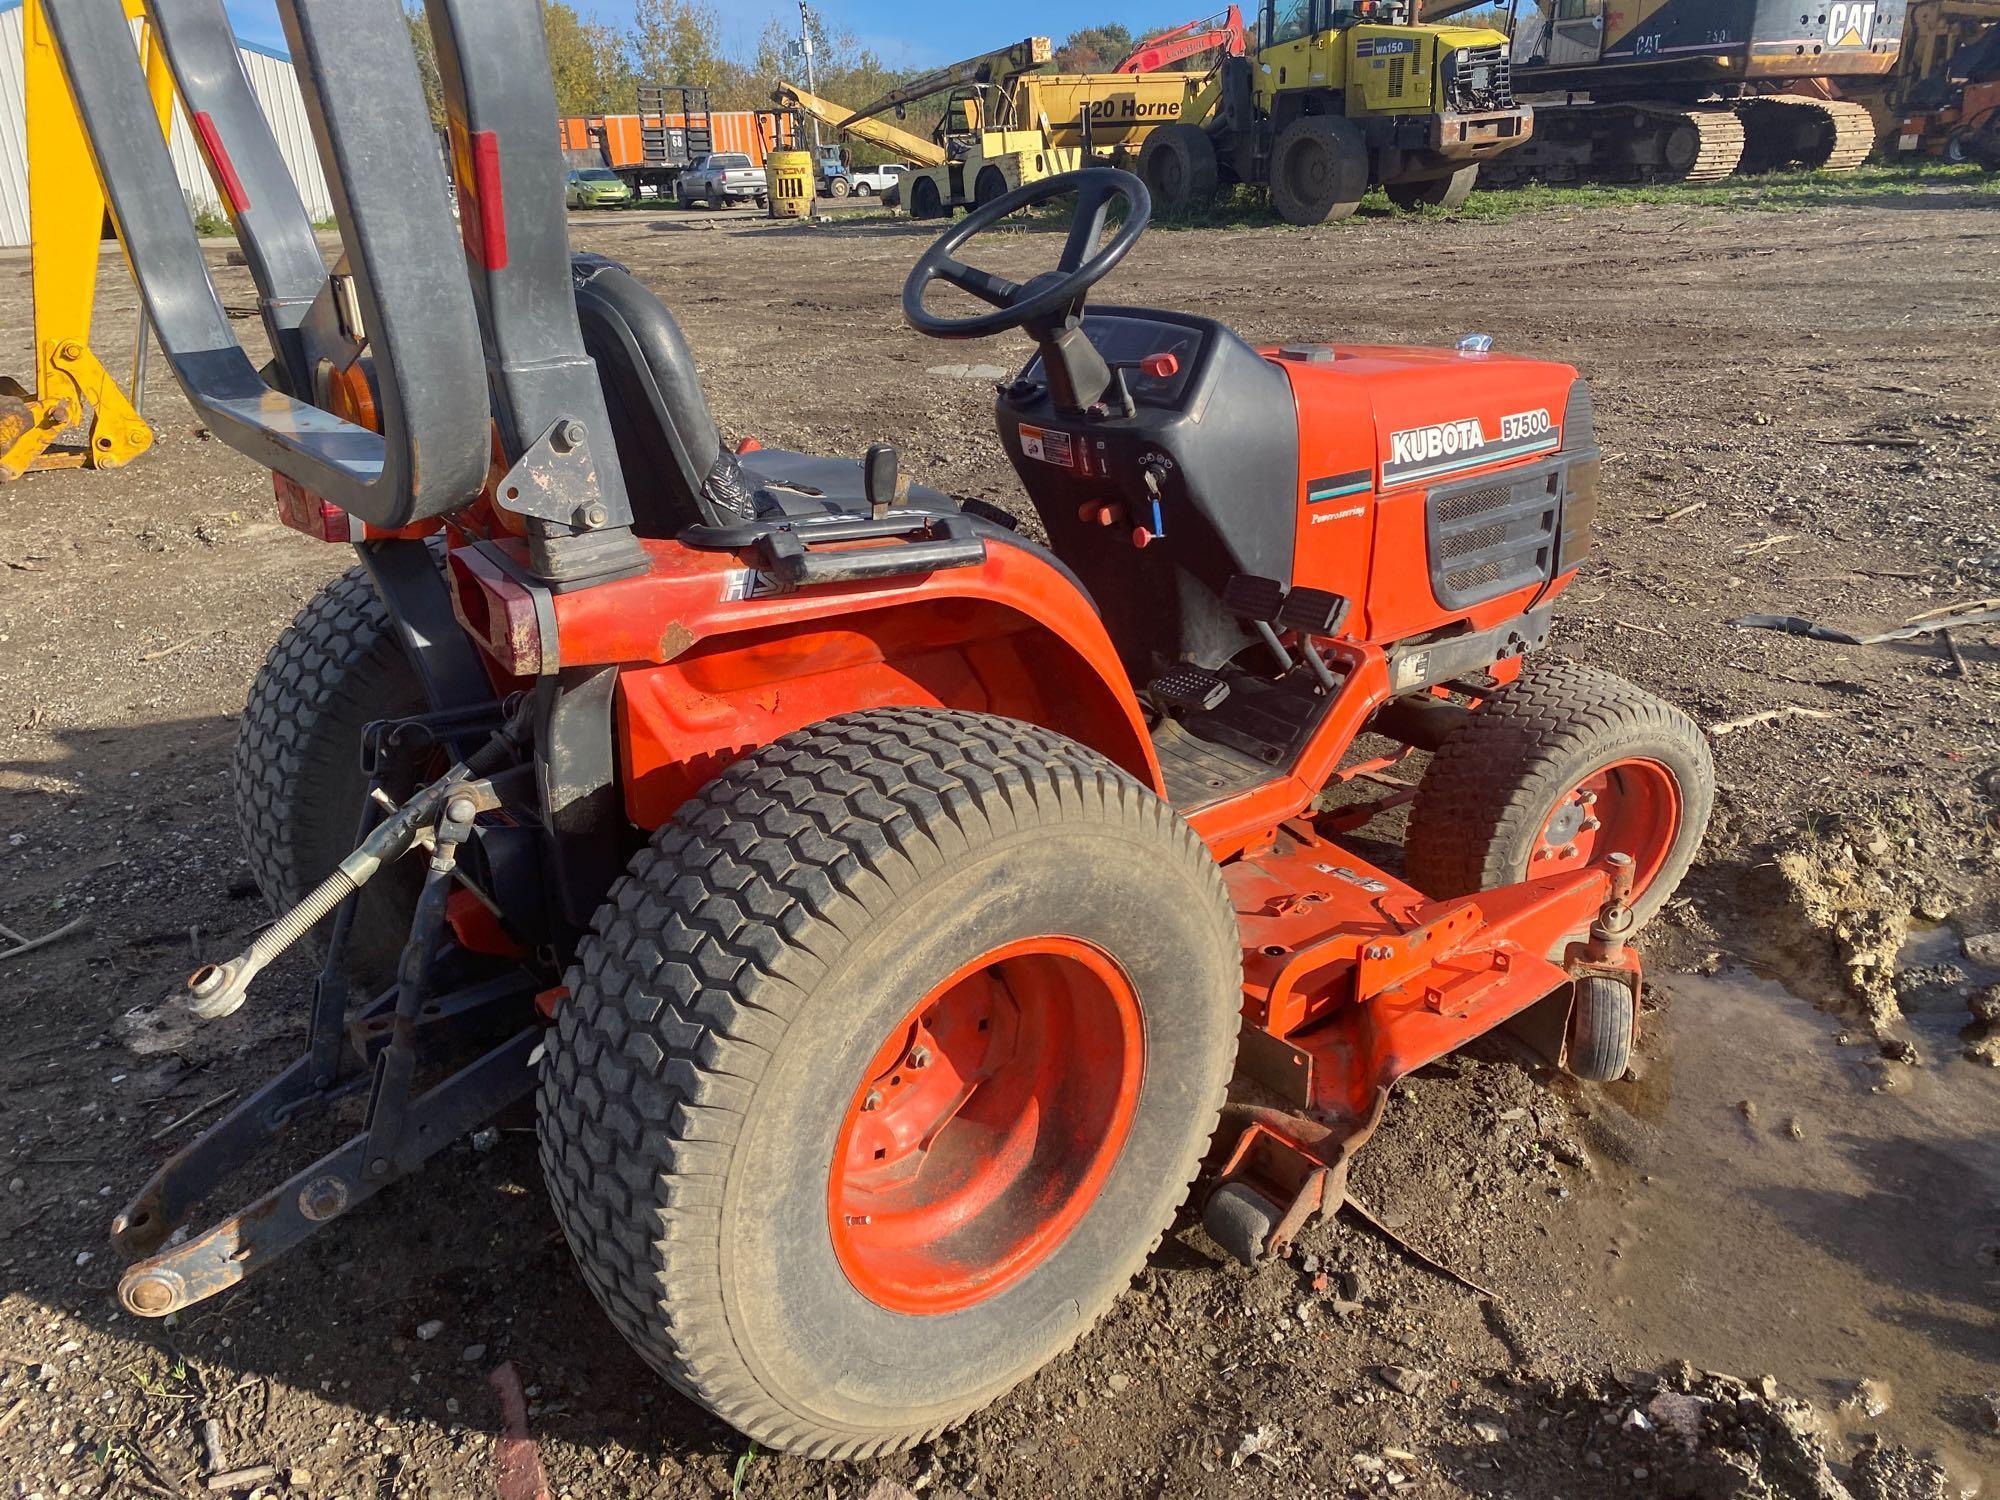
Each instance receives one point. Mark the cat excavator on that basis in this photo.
(1694, 90)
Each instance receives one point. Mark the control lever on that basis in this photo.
(880, 480)
(1154, 366)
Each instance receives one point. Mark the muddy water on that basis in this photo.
(1770, 1208)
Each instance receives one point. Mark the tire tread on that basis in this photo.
(705, 950)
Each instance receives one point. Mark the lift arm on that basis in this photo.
(999, 67)
(911, 148)
(1189, 39)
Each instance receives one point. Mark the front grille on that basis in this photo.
(1488, 539)
(1480, 78)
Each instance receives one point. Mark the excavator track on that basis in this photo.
(1798, 131)
(1697, 145)
(1642, 141)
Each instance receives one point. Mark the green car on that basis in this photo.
(596, 187)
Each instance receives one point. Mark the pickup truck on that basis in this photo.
(720, 179)
(862, 181)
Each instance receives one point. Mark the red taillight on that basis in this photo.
(499, 612)
(302, 510)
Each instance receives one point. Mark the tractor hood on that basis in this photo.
(1417, 416)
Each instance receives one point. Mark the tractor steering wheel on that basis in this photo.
(1050, 296)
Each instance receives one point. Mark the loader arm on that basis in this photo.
(913, 149)
(999, 68)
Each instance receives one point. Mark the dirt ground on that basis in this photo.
(1688, 1275)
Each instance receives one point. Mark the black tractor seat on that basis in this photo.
(679, 471)
(680, 474)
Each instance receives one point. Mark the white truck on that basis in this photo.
(720, 179)
(838, 177)
(877, 180)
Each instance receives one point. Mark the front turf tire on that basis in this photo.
(1500, 801)
(740, 982)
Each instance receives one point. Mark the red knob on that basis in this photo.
(1141, 537)
(1101, 512)
(1161, 366)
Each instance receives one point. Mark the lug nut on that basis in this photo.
(1590, 825)
(1588, 799)
(920, 1057)
(872, 1100)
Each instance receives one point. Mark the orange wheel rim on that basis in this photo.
(985, 1125)
(1628, 807)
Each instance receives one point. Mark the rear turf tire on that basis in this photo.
(925, 203)
(740, 982)
(1319, 170)
(1484, 809)
(989, 185)
(337, 668)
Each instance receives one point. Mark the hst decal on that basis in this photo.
(1419, 453)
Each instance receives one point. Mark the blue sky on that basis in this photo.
(906, 34)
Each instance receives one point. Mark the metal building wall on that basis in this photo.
(271, 79)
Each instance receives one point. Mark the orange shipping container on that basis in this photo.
(734, 130)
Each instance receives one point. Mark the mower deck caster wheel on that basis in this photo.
(1240, 1219)
(1600, 1030)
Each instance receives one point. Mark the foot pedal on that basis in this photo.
(1249, 597)
(1313, 612)
(1189, 686)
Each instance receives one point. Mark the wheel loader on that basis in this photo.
(1336, 97)
(887, 909)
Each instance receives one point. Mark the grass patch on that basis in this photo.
(1247, 208)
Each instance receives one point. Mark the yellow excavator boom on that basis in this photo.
(913, 149)
(66, 220)
(999, 67)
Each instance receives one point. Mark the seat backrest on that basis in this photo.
(679, 471)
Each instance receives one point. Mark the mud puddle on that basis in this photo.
(1776, 1204)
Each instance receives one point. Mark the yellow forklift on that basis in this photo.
(1336, 97)
(66, 223)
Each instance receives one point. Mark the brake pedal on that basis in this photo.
(1313, 612)
(1250, 597)
(1189, 686)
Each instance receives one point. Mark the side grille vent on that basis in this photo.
(1487, 538)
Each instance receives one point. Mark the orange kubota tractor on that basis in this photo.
(878, 902)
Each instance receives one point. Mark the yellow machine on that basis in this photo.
(914, 149)
(1039, 124)
(1946, 95)
(66, 216)
(1336, 98)
(1008, 121)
